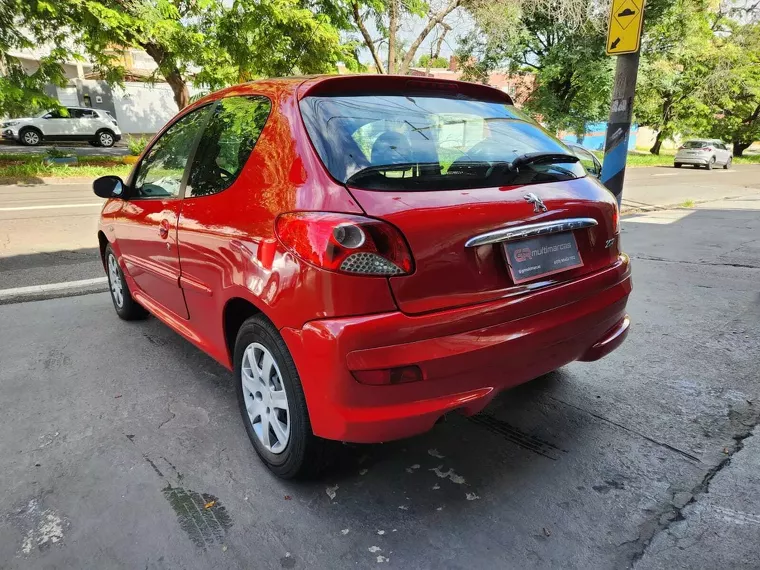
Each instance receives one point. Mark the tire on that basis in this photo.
(676, 165)
(126, 307)
(30, 136)
(105, 138)
(260, 388)
(711, 163)
(728, 163)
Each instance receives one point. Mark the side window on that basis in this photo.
(161, 171)
(62, 113)
(227, 143)
(587, 160)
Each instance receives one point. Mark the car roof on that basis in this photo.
(302, 86)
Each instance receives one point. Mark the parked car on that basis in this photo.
(588, 159)
(703, 152)
(96, 126)
(305, 234)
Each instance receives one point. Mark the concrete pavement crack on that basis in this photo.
(173, 415)
(621, 426)
(672, 512)
(710, 263)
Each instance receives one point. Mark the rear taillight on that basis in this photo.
(345, 243)
(708, 149)
(616, 218)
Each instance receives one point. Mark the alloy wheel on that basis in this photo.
(106, 139)
(114, 278)
(31, 138)
(265, 398)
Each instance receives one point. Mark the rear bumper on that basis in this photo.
(467, 355)
(691, 160)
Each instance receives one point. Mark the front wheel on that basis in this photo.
(30, 137)
(126, 307)
(272, 403)
(728, 163)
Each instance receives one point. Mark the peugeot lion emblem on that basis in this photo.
(538, 204)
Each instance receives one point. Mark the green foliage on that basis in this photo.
(573, 75)
(137, 145)
(678, 64)
(436, 62)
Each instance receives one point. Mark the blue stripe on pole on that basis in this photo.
(614, 159)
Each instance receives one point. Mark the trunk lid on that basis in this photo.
(437, 225)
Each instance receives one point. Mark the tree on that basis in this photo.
(387, 16)
(679, 61)
(736, 91)
(561, 42)
(212, 42)
(435, 62)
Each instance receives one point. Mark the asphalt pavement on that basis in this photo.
(123, 447)
(48, 231)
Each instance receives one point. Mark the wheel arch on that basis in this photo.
(103, 243)
(235, 312)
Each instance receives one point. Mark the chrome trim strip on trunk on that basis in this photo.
(530, 230)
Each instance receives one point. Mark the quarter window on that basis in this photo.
(227, 143)
(161, 171)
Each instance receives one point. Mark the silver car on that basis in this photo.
(703, 152)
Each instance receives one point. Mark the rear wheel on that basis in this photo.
(30, 137)
(271, 401)
(126, 307)
(105, 138)
(728, 163)
(711, 164)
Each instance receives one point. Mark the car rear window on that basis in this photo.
(695, 144)
(396, 142)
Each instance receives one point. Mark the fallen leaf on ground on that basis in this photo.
(209, 504)
(288, 497)
(547, 532)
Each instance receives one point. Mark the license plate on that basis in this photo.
(541, 256)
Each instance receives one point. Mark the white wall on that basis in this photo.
(143, 108)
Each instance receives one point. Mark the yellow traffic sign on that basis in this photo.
(624, 30)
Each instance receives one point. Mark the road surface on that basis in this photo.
(123, 447)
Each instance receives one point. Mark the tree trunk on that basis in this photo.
(740, 147)
(657, 142)
(434, 20)
(392, 30)
(367, 38)
(171, 74)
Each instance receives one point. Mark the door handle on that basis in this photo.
(163, 229)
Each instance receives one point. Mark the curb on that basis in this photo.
(53, 291)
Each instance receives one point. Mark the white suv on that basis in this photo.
(96, 126)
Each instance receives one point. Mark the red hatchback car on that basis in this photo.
(367, 253)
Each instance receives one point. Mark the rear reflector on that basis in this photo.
(389, 376)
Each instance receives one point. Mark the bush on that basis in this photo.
(55, 152)
(136, 146)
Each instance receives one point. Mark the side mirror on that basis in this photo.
(108, 187)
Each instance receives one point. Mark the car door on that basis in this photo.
(88, 123)
(53, 123)
(72, 126)
(208, 237)
(724, 153)
(146, 224)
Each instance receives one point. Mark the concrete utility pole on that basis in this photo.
(623, 40)
(619, 124)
